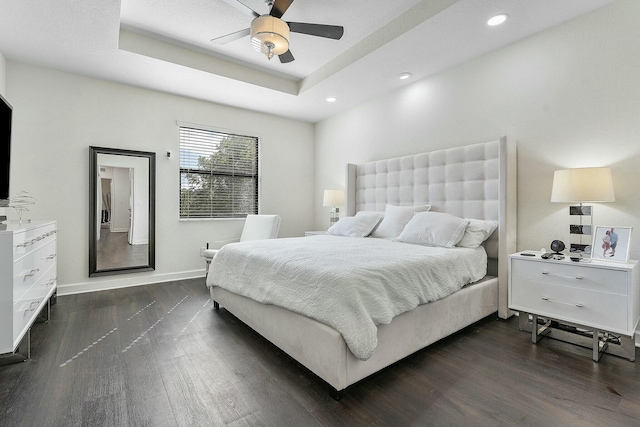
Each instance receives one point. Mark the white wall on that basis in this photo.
(3, 74)
(57, 116)
(569, 97)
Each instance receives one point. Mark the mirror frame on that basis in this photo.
(93, 213)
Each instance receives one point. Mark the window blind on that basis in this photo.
(218, 174)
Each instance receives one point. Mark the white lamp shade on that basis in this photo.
(583, 185)
(333, 198)
(267, 29)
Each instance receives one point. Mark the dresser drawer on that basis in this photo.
(28, 269)
(42, 288)
(598, 310)
(29, 240)
(24, 313)
(607, 280)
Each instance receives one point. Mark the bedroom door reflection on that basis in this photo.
(121, 244)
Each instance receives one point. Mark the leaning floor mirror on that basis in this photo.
(121, 211)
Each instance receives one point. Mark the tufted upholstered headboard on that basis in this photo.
(472, 181)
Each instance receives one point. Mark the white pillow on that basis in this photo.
(434, 229)
(355, 226)
(395, 218)
(477, 232)
(379, 214)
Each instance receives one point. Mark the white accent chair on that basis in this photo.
(256, 227)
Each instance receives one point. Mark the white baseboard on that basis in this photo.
(125, 281)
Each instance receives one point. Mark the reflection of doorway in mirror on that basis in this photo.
(131, 206)
(117, 244)
(105, 212)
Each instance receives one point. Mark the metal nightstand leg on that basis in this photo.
(599, 347)
(600, 342)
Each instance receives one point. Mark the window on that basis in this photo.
(218, 174)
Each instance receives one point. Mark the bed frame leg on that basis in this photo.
(335, 394)
(216, 305)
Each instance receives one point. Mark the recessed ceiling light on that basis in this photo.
(498, 19)
(332, 99)
(405, 76)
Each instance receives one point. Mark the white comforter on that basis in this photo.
(349, 284)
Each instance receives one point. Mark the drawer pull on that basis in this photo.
(576, 304)
(561, 275)
(52, 256)
(29, 306)
(32, 273)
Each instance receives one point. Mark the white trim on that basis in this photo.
(126, 281)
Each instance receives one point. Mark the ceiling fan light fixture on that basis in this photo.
(269, 35)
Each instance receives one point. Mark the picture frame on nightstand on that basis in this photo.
(611, 243)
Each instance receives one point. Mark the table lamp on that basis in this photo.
(582, 185)
(333, 198)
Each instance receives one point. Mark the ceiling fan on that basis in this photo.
(270, 34)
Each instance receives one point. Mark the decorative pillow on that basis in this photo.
(477, 232)
(379, 214)
(395, 218)
(434, 229)
(355, 226)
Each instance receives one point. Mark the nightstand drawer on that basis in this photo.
(594, 309)
(575, 276)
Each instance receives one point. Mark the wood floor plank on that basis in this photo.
(159, 355)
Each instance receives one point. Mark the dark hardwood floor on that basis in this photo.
(114, 251)
(159, 355)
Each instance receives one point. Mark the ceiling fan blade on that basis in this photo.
(242, 7)
(286, 57)
(231, 37)
(280, 7)
(329, 31)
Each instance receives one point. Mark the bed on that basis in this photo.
(475, 181)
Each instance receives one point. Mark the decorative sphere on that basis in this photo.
(557, 246)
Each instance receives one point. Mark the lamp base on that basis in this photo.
(335, 216)
(580, 234)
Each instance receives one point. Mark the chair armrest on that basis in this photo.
(217, 244)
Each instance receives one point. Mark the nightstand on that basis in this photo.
(594, 304)
(314, 233)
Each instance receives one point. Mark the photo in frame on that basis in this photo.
(611, 243)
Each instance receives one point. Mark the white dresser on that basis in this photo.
(28, 277)
(600, 297)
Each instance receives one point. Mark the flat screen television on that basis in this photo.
(6, 112)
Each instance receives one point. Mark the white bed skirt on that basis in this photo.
(323, 351)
